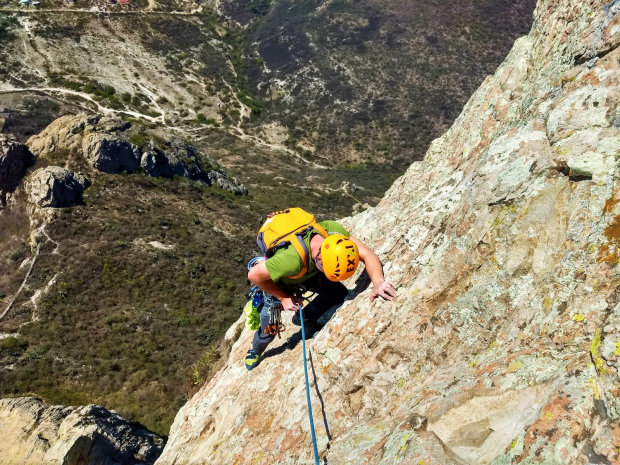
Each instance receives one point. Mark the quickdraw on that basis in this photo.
(275, 325)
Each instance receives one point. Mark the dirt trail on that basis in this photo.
(103, 109)
(258, 141)
(161, 119)
(84, 10)
(21, 288)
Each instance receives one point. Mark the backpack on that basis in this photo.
(288, 227)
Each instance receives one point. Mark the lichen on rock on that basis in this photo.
(504, 243)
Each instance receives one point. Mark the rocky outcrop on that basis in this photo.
(220, 179)
(502, 346)
(65, 133)
(36, 433)
(179, 160)
(110, 154)
(105, 144)
(182, 159)
(55, 187)
(14, 159)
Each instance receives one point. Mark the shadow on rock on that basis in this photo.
(15, 158)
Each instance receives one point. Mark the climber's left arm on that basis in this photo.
(374, 268)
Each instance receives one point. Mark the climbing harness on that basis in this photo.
(303, 340)
(255, 300)
(275, 325)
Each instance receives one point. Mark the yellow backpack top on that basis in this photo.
(288, 227)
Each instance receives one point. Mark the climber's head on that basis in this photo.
(338, 257)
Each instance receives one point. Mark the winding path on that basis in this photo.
(85, 96)
(85, 10)
(21, 288)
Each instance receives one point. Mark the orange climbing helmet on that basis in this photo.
(339, 257)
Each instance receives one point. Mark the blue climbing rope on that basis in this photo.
(255, 261)
(303, 341)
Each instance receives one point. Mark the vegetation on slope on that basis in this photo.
(374, 80)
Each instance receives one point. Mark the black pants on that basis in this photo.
(329, 294)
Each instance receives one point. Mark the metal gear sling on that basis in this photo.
(275, 325)
(288, 227)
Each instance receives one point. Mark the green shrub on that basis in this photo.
(164, 221)
(200, 370)
(18, 254)
(12, 345)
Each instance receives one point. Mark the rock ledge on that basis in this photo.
(35, 433)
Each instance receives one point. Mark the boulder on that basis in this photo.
(13, 161)
(55, 187)
(110, 154)
(35, 433)
(221, 179)
(177, 159)
(102, 140)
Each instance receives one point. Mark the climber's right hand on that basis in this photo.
(291, 303)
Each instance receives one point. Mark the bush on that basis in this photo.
(18, 254)
(12, 345)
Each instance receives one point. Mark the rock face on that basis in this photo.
(55, 187)
(182, 159)
(103, 143)
(14, 158)
(35, 433)
(503, 345)
(110, 154)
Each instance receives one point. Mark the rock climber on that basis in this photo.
(316, 258)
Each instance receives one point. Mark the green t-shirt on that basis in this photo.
(287, 262)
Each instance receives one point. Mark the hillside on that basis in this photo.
(502, 346)
(337, 82)
(374, 80)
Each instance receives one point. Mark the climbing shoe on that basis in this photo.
(308, 325)
(251, 360)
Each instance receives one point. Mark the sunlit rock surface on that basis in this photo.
(35, 433)
(504, 344)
